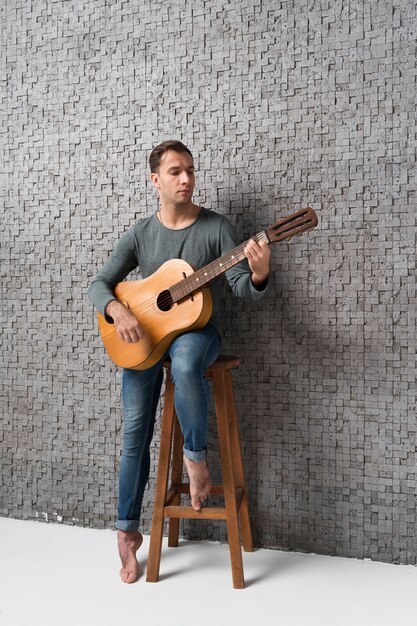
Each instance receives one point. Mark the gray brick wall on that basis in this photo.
(285, 104)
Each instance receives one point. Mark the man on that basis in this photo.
(180, 229)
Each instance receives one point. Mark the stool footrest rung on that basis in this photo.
(206, 512)
(215, 490)
(187, 512)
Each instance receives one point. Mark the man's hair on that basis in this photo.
(159, 151)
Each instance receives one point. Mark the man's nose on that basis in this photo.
(184, 177)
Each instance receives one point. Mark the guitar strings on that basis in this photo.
(166, 300)
(162, 301)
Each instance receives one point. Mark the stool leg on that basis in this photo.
(238, 465)
(222, 407)
(157, 530)
(176, 479)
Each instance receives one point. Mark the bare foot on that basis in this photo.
(200, 481)
(129, 541)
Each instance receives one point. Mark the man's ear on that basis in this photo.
(155, 179)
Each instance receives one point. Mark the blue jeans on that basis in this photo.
(191, 354)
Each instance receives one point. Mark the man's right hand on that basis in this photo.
(126, 324)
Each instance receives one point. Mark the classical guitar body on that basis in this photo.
(161, 319)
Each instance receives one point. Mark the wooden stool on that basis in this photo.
(233, 489)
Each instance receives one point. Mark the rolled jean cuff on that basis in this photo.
(197, 457)
(126, 524)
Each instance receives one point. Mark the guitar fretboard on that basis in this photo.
(201, 277)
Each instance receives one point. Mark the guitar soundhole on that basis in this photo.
(164, 301)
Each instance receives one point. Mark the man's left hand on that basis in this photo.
(258, 255)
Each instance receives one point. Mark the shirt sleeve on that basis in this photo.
(239, 276)
(121, 261)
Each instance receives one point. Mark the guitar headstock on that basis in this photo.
(294, 224)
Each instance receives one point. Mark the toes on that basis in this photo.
(196, 504)
(129, 576)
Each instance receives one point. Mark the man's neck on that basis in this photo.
(177, 217)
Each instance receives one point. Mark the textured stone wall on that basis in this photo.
(284, 104)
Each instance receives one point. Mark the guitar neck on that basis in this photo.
(203, 276)
(285, 228)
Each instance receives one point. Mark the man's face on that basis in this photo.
(175, 179)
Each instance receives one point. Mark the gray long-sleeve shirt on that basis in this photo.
(148, 244)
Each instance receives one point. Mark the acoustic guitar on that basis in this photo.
(176, 299)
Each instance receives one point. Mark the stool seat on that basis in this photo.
(233, 489)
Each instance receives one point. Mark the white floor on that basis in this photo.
(60, 575)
